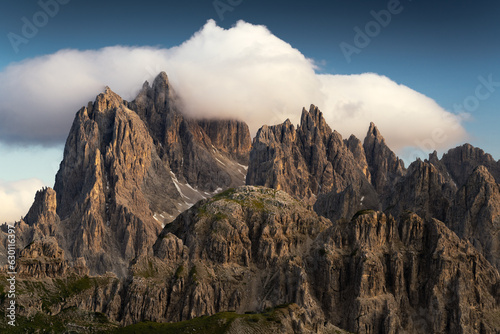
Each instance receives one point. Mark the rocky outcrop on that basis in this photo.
(234, 252)
(461, 162)
(202, 153)
(313, 164)
(275, 161)
(45, 259)
(356, 147)
(377, 275)
(424, 190)
(114, 241)
(429, 188)
(385, 167)
(475, 214)
(229, 137)
(44, 208)
(126, 173)
(42, 219)
(253, 249)
(110, 182)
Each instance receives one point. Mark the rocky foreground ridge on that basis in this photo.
(328, 235)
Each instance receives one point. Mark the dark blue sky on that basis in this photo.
(438, 48)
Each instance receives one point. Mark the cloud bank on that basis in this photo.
(244, 72)
(16, 198)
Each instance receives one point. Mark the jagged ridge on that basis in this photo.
(382, 262)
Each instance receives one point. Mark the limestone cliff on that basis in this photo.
(126, 173)
(312, 163)
(253, 249)
(329, 235)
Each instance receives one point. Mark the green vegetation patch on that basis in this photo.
(215, 324)
(180, 272)
(148, 272)
(70, 320)
(193, 274)
(258, 205)
(226, 194)
(220, 216)
(258, 200)
(64, 288)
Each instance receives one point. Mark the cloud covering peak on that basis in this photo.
(244, 72)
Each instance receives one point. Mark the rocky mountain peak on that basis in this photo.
(374, 132)
(314, 164)
(433, 156)
(424, 189)
(140, 194)
(44, 207)
(481, 175)
(106, 101)
(375, 140)
(356, 147)
(161, 80)
(475, 214)
(461, 162)
(284, 133)
(385, 167)
(313, 120)
(155, 100)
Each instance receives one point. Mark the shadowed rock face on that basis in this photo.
(253, 248)
(193, 149)
(312, 163)
(126, 172)
(475, 214)
(336, 229)
(358, 152)
(110, 182)
(461, 161)
(425, 190)
(340, 178)
(472, 210)
(385, 167)
(230, 137)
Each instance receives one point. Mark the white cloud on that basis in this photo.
(16, 198)
(244, 72)
(403, 116)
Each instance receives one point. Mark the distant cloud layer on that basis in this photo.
(244, 72)
(16, 198)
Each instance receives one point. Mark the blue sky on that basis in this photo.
(442, 49)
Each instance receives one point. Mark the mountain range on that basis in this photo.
(158, 219)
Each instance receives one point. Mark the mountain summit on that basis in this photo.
(130, 168)
(156, 216)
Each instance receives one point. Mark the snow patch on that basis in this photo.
(177, 183)
(220, 161)
(243, 166)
